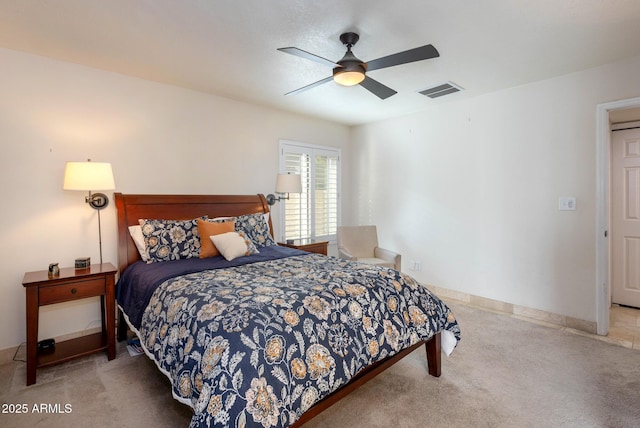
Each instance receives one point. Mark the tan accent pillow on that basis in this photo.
(210, 228)
(231, 244)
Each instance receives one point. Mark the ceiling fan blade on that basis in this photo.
(377, 88)
(307, 55)
(311, 85)
(412, 55)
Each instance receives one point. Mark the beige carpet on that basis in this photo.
(504, 373)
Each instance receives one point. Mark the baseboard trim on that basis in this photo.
(6, 355)
(523, 312)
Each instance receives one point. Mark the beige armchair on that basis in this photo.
(361, 243)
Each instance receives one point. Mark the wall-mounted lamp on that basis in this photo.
(285, 184)
(90, 176)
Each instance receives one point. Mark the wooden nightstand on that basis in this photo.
(70, 284)
(310, 245)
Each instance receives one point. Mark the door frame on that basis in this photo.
(603, 192)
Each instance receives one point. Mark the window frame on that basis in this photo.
(288, 146)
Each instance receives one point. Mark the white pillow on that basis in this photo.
(231, 245)
(138, 239)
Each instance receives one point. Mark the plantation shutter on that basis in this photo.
(314, 213)
(326, 195)
(297, 216)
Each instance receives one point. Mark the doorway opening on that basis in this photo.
(605, 112)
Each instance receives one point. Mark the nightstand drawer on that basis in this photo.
(71, 291)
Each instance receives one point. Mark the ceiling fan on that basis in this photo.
(350, 70)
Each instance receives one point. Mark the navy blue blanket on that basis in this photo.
(138, 281)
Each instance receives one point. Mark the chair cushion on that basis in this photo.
(360, 241)
(378, 262)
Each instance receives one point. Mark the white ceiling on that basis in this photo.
(228, 47)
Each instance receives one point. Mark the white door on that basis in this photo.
(625, 217)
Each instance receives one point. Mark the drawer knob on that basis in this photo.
(74, 291)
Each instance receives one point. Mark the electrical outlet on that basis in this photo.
(567, 203)
(415, 265)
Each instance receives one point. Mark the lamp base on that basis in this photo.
(272, 199)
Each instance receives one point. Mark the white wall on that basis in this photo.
(470, 188)
(159, 139)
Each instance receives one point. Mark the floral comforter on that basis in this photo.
(259, 344)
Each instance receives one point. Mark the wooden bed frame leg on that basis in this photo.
(434, 355)
(122, 327)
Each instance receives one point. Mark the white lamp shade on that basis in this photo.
(288, 183)
(88, 176)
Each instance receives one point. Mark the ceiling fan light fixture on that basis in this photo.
(350, 70)
(349, 78)
(349, 75)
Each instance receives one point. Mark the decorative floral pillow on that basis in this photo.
(171, 239)
(256, 228)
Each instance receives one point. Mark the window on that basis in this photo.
(314, 213)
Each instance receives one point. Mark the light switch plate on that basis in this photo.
(567, 203)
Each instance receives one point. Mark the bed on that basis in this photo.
(270, 338)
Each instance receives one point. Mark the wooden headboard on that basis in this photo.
(130, 208)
